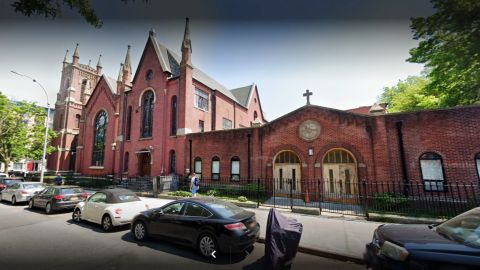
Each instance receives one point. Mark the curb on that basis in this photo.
(323, 254)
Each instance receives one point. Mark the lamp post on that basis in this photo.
(42, 172)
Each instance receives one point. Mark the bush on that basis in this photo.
(242, 199)
(181, 193)
(212, 192)
(389, 201)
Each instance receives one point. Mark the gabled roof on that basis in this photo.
(243, 94)
(170, 62)
(112, 84)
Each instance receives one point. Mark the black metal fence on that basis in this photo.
(358, 198)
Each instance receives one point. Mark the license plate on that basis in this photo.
(74, 199)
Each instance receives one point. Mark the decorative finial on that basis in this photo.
(99, 63)
(65, 58)
(75, 53)
(152, 32)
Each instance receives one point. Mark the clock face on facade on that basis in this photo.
(309, 130)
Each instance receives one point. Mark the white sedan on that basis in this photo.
(110, 207)
(21, 192)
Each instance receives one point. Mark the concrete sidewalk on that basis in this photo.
(337, 236)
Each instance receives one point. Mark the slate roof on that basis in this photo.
(242, 94)
(112, 83)
(170, 62)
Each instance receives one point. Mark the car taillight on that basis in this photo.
(236, 226)
(24, 192)
(85, 195)
(118, 211)
(58, 197)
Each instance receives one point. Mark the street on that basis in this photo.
(33, 240)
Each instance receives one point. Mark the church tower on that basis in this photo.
(76, 86)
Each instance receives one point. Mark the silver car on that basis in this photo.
(21, 192)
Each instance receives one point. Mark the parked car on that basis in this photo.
(205, 223)
(21, 192)
(3, 176)
(57, 198)
(4, 183)
(109, 207)
(453, 244)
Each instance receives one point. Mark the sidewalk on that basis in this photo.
(344, 237)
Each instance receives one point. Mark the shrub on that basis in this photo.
(180, 193)
(212, 192)
(389, 201)
(242, 199)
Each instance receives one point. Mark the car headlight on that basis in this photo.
(393, 251)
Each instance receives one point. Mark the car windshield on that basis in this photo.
(127, 197)
(11, 182)
(32, 186)
(225, 209)
(71, 190)
(464, 228)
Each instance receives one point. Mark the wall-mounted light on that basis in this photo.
(310, 151)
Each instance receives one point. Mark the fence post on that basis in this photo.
(258, 192)
(155, 187)
(291, 194)
(364, 198)
(318, 196)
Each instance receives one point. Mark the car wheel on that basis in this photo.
(14, 200)
(207, 245)
(107, 223)
(76, 215)
(30, 204)
(139, 230)
(48, 209)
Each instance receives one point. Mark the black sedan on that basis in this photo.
(58, 198)
(208, 224)
(453, 244)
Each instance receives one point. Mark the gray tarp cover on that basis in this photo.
(282, 239)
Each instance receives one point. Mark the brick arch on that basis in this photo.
(286, 147)
(140, 97)
(361, 171)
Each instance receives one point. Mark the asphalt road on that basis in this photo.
(33, 240)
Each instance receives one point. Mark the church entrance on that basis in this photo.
(144, 163)
(287, 174)
(339, 173)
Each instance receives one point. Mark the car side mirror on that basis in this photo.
(158, 213)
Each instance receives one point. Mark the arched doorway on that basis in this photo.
(340, 172)
(287, 173)
(144, 163)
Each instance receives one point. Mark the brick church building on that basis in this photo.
(169, 117)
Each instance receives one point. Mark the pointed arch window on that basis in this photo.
(129, 123)
(433, 177)
(147, 114)
(77, 121)
(255, 115)
(172, 161)
(215, 168)
(198, 166)
(173, 131)
(235, 168)
(100, 130)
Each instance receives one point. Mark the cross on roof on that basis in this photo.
(308, 94)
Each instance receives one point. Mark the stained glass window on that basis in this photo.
(100, 131)
(147, 119)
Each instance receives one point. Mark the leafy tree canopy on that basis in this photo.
(450, 49)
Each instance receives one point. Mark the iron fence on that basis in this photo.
(358, 198)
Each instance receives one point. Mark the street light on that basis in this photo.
(44, 163)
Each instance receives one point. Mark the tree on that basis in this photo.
(21, 131)
(450, 49)
(409, 95)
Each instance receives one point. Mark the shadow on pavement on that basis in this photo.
(96, 227)
(185, 252)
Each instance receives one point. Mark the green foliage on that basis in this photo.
(212, 192)
(21, 130)
(449, 48)
(242, 199)
(409, 95)
(389, 201)
(180, 193)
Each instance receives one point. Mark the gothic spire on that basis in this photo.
(75, 55)
(120, 73)
(187, 45)
(99, 64)
(127, 65)
(65, 58)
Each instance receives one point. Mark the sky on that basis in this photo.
(345, 51)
